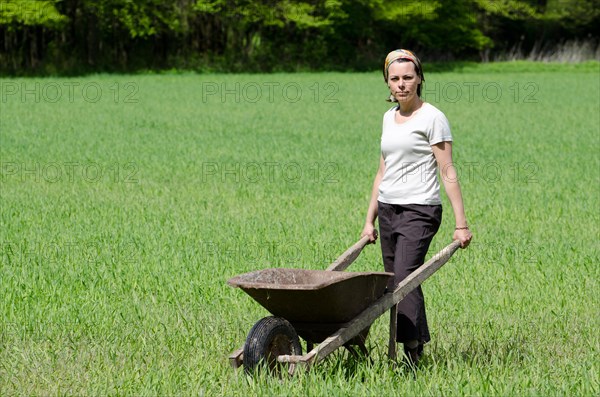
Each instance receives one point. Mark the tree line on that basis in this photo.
(77, 36)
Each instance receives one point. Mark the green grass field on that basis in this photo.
(128, 201)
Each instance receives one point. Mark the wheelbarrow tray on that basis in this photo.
(315, 302)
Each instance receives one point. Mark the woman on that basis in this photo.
(416, 142)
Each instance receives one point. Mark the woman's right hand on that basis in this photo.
(369, 230)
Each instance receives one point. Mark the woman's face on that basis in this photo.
(403, 81)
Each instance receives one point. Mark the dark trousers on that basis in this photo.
(405, 232)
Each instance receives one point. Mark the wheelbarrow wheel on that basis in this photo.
(270, 337)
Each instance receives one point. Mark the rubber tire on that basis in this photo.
(269, 338)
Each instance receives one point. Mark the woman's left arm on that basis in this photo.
(443, 155)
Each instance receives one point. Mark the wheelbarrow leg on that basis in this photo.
(393, 326)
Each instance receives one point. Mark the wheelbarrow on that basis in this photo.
(331, 308)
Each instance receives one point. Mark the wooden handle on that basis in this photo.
(349, 256)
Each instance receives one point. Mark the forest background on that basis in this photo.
(84, 36)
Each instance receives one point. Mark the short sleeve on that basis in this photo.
(439, 130)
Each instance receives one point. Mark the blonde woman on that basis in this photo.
(416, 143)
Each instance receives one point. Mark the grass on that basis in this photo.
(127, 205)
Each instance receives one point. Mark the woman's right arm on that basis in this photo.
(369, 229)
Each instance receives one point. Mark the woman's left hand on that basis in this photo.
(464, 236)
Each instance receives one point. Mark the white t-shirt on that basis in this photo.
(410, 167)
